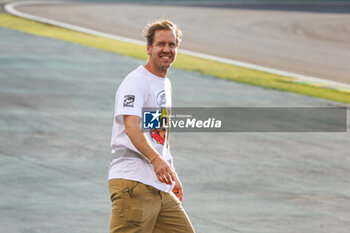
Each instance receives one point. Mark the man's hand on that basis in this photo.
(163, 171)
(178, 191)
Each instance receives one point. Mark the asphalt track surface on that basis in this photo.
(309, 43)
(56, 112)
(55, 124)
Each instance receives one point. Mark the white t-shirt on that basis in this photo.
(139, 89)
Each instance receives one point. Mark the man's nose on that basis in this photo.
(166, 49)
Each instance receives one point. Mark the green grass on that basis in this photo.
(184, 62)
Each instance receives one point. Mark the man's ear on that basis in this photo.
(148, 49)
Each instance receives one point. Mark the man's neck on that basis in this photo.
(155, 71)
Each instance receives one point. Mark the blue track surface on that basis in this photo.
(56, 113)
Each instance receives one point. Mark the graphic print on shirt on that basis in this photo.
(160, 135)
(129, 101)
(161, 99)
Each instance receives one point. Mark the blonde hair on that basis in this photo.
(162, 25)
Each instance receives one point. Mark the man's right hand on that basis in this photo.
(163, 171)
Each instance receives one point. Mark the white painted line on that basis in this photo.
(10, 8)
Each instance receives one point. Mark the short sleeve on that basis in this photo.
(130, 97)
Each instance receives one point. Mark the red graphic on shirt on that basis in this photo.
(161, 135)
(158, 135)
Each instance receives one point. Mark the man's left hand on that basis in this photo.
(178, 191)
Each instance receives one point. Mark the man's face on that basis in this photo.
(162, 52)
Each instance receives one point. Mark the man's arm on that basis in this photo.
(164, 172)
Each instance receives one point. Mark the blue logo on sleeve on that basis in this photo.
(151, 119)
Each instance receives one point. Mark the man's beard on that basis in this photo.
(160, 67)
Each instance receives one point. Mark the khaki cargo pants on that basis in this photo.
(139, 208)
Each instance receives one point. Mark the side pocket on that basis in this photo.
(118, 198)
(128, 201)
(136, 212)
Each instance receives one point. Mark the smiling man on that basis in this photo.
(146, 192)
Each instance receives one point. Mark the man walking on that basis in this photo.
(146, 192)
